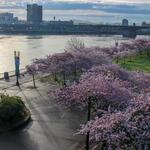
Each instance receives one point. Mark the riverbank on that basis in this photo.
(32, 46)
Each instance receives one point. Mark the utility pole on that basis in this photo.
(17, 65)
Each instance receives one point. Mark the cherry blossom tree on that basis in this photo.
(32, 70)
(80, 59)
(105, 93)
(68, 63)
(136, 81)
(115, 97)
(129, 129)
(109, 89)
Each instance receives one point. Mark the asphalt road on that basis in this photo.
(51, 128)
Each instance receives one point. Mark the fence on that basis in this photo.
(12, 73)
(24, 78)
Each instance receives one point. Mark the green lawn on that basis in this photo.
(136, 63)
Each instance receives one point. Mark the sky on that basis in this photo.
(111, 2)
(135, 6)
(129, 8)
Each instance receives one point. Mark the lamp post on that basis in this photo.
(17, 65)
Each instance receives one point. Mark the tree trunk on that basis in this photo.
(88, 119)
(64, 79)
(75, 72)
(34, 81)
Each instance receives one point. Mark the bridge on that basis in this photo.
(71, 29)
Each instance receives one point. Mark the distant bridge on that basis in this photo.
(54, 29)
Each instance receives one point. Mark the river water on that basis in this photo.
(38, 46)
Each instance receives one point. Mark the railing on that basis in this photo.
(12, 73)
(23, 79)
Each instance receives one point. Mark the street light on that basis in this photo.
(17, 65)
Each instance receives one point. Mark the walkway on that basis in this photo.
(51, 129)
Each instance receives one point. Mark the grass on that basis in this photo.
(136, 63)
(59, 78)
(51, 78)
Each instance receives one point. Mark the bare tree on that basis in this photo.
(75, 44)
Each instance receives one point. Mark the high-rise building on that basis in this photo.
(125, 22)
(6, 18)
(34, 14)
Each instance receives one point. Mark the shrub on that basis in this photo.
(12, 109)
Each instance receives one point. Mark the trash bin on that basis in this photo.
(6, 75)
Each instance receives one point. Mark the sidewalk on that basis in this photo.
(51, 129)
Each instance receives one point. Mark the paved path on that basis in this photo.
(51, 129)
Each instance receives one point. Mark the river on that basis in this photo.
(38, 46)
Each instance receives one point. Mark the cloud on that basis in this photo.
(110, 6)
(15, 2)
(126, 1)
